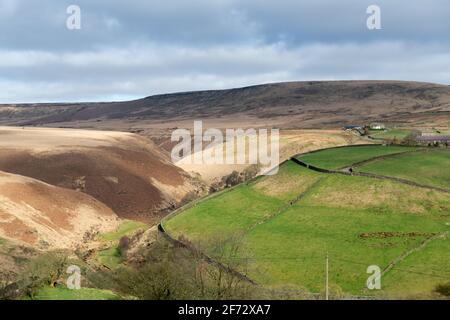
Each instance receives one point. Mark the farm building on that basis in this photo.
(353, 127)
(428, 133)
(377, 126)
(357, 129)
(434, 140)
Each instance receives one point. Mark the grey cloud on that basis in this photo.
(41, 24)
(115, 72)
(137, 48)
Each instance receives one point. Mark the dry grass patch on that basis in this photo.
(292, 142)
(367, 193)
(291, 181)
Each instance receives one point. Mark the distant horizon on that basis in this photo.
(209, 90)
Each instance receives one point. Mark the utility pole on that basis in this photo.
(326, 281)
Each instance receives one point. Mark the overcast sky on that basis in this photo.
(132, 49)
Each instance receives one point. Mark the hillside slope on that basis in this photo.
(126, 172)
(290, 222)
(287, 105)
(37, 214)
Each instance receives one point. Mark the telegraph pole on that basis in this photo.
(326, 281)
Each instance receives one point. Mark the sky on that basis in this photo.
(132, 49)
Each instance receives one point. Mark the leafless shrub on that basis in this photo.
(123, 246)
(45, 270)
(443, 289)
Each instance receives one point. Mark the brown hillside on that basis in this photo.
(323, 104)
(124, 171)
(48, 217)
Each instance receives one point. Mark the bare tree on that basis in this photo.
(180, 270)
(227, 278)
(45, 270)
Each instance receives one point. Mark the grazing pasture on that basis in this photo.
(429, 167)
(337, 158)
(291, 221)
(390, 134)
(62, 293)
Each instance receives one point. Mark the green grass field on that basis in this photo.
(431, 167)
(390, 134)
(358, 221)
(421, 270)
(337, 158)
(243, 207)
(127, 227)
(61, 293)
(111, 257)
